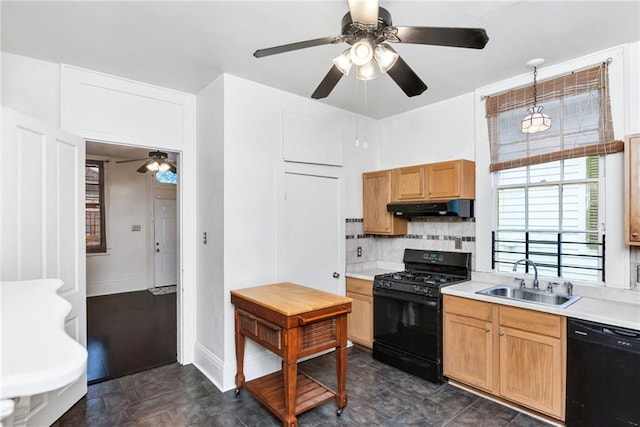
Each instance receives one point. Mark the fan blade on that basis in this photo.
(328, 83)
(173, 169)
(406, 78)
(132, 160)
(295, 46)
(364, 11)
(475, 38)
(143, 168)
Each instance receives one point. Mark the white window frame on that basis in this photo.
(617, 263)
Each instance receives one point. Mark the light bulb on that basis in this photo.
(385, 56)
(154, 166)
(361, 52)
(163, 167)
(343, 62)
(367, 71)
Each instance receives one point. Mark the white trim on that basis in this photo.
(162, 108)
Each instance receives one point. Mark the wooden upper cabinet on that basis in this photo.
(376, 194)
(409, 183)
(455, 179)
(632, 193)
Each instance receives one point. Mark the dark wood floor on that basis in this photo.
(129, 332)
(379, 395)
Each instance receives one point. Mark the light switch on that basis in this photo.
(136, 227)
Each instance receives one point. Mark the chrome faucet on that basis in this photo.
(536, 284)
(569, 286)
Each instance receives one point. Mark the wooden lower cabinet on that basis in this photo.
(516, 354)
(360, 320)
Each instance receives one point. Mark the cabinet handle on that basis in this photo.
(501, 334)
(487, 330)
(634, 235)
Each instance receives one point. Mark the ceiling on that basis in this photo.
(187, 45)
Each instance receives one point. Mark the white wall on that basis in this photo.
(249, 116)
(124, 267)
(438, 132)
(127, 265)
(32, 87)
(211, 300)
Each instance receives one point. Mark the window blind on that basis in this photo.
(580, 110)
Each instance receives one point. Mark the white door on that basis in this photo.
(42, 229)
(311, 227)
(165, 242)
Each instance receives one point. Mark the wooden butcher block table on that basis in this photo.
(293, 321)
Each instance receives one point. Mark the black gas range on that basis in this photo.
(407, 306)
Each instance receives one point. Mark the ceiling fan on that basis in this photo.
(367, 28)
(157, 161)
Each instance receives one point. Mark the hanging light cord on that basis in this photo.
(535, 86)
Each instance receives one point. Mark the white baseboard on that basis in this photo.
(116, 287)
(222, 375)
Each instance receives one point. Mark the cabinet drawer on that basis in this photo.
(360, 286)
(468, 307)
(532, 321)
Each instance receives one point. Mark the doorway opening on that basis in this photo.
(132, 284)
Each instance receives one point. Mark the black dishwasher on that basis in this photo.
(603, 375)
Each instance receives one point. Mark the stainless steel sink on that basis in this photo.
(530, 295)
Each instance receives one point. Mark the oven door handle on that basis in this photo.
(428, 301)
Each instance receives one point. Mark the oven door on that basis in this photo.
(406, 322)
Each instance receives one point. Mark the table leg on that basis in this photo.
(239, 354)
(290, 372)
(341, 371)
(341, 363)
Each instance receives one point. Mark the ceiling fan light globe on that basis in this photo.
(385, 56)
(163, 167)
(343, 61)
(153, 166)
(535, 121)
(361, 52)
(367, 71)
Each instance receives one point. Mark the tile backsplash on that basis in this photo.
(442, 234)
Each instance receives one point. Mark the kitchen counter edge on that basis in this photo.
(621, 314)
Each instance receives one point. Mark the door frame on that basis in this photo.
(184, 355)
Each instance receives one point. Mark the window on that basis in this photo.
(94, 207)
(548, 186)
(549, 213)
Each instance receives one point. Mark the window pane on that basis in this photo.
(580, 207)
(543, 208)
(94, 207)
(512, 176)
(544, 172)
(511, 209)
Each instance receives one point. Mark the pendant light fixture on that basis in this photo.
(536, 120)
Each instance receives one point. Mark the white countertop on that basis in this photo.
(36, 354)
(616, 313)
(367, 271)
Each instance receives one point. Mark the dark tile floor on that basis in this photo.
(129, 332)
(380, 395)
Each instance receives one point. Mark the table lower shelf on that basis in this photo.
(269, 390)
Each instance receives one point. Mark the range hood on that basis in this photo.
(462, 208)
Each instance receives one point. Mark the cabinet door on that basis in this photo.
(448, 180)
(531, 371)
(632, 211)
(468, 351)
(360, 320)
(409, 184)
(376, 193)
